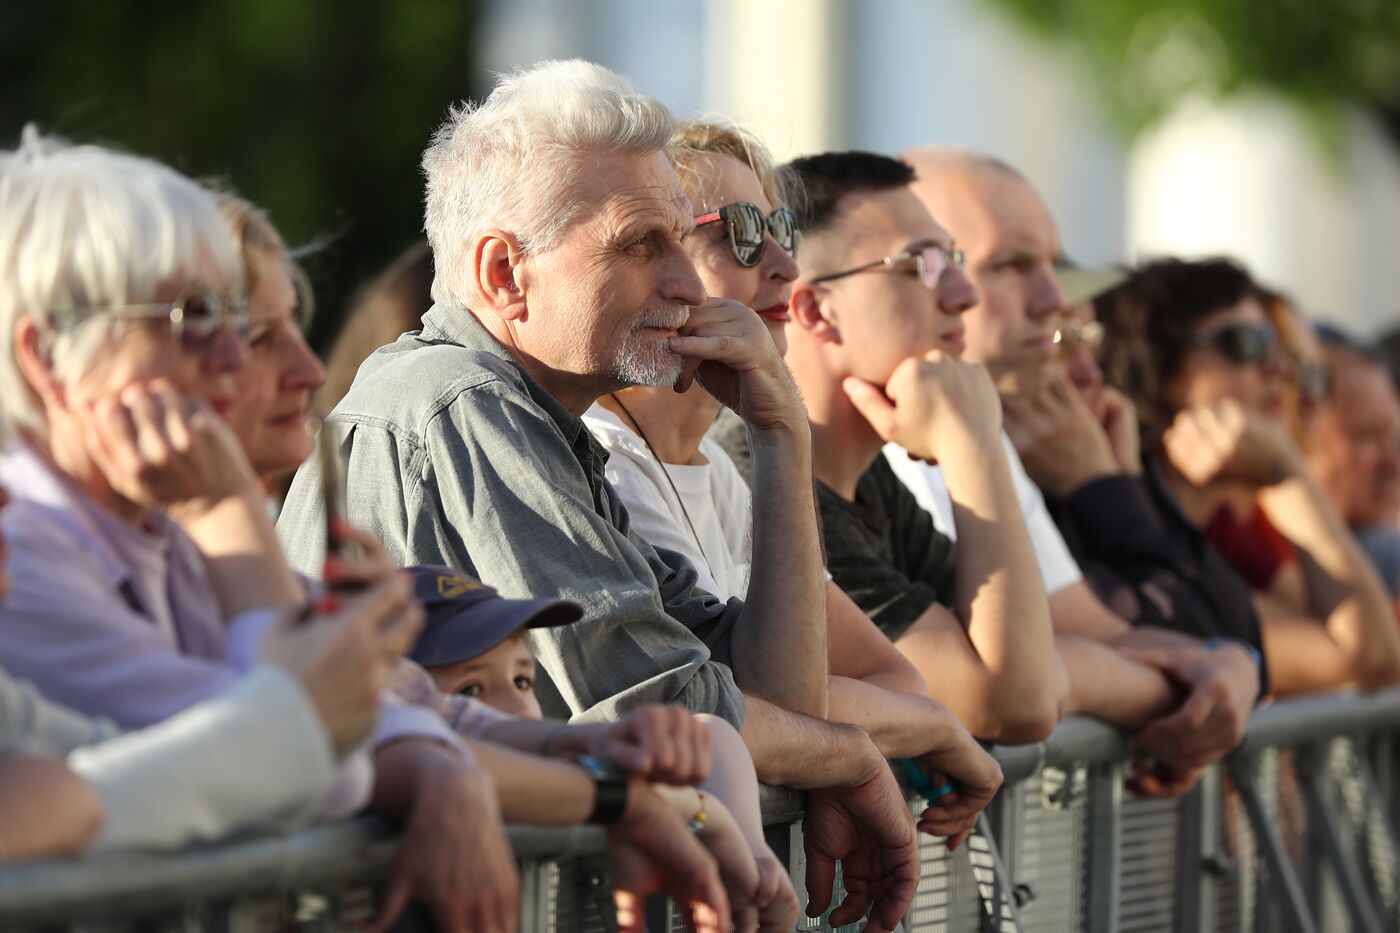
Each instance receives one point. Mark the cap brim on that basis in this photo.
(549, 613)
(1080, 284)
(479, 627)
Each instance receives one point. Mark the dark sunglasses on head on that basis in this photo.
(749, 229)
(1239, 343)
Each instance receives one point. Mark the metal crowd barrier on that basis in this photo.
(1294, 832)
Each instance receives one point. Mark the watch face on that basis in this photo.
(602, 770)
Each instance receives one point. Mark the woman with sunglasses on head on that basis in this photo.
(685, 494)
(1191, 344)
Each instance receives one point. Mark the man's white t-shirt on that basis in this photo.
(715, 496)
(1057, 566)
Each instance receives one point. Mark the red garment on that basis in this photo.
(1255, 548)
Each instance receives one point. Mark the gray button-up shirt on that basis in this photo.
(455, 455)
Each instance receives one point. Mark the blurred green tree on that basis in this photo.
(317, 110)
(1146, 55)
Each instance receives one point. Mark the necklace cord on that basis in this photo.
(695, 536)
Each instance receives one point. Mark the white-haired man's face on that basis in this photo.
(602, 305)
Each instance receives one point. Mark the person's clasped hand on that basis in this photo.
(661, 743)
(930, 404)
(651, 851)
(727, 348)
(1225, 442)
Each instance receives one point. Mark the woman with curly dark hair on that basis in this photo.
(1192, 345)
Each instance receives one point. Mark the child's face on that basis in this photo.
(503, 677)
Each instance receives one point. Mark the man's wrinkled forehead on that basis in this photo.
(635, 190)
(648, 206)
(1019, 217)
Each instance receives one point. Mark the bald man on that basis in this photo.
(1012, 245)
(1354, 449)
(1079, 452)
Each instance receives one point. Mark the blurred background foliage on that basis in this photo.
(317, 110)
(1145, 56)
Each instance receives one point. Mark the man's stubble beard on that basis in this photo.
(647, 360)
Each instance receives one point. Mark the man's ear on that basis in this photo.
(497, 259)
(809, 312)
(34, 356)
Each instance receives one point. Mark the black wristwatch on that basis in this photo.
(610, 782)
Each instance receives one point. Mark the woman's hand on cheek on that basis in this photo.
(162, 449)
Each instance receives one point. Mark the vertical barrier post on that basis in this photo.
(1007, 816)
(1105, 836)
(1199, 863)
(534, 897)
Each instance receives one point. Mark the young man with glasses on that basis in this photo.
(880, 304)
(684, 494)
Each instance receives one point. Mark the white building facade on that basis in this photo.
(1244, 178)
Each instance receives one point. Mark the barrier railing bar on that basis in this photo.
(1326, 820)
(1307, 719)
(1105, 785)
(325, 859)
(1078, 741)
(126, 883)
(1296, 914)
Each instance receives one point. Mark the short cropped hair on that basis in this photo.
(509, 161)
(827, 178)
(1149, 322)
(83, 228)
(695, 138)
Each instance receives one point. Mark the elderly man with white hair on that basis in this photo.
(147, 578)
(556, 224)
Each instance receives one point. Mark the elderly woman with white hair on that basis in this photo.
(146, 576)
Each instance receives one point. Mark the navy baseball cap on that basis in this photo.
(465, 618)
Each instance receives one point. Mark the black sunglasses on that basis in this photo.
(1239, 343)
(748, 230)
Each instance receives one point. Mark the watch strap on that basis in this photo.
(610, 790)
